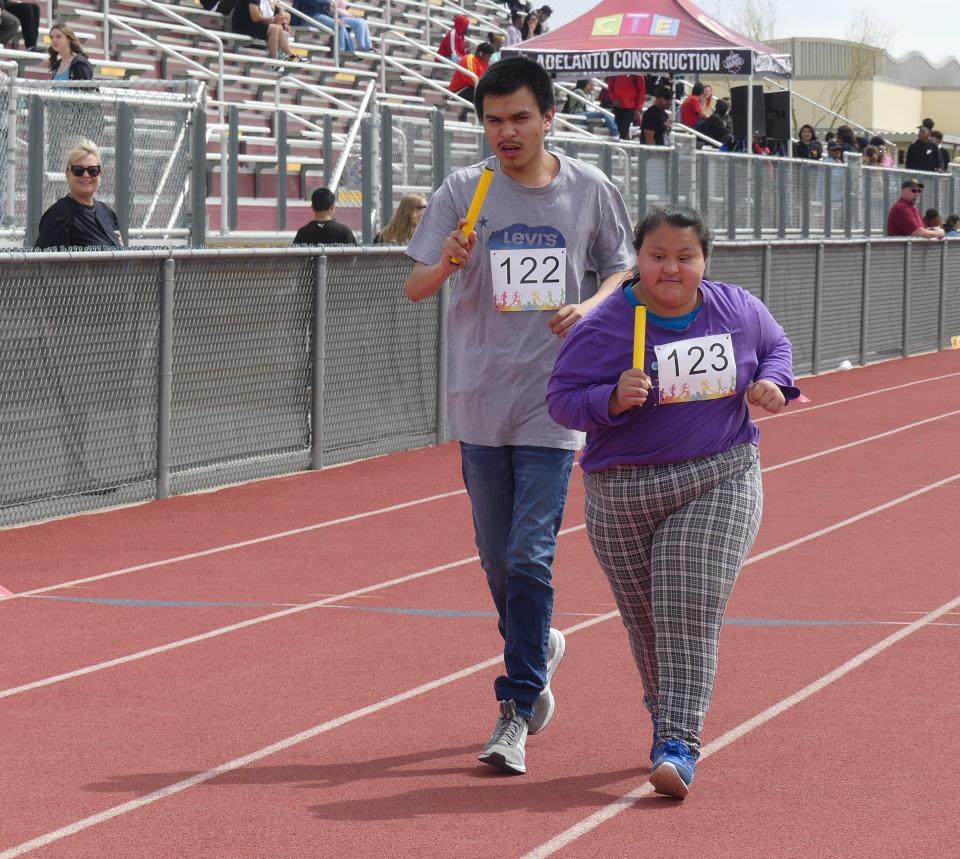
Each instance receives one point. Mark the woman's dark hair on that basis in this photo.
(845, 135)
(676, 216)
(877, 140)
(511, 74)
(813, 132)
(951, 222)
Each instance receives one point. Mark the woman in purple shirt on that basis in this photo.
(671, 467)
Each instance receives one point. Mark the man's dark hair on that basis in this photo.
(936, 135)
(675, 216)
(512, 74)
(697, 88)
(721, 107)
(546, 11)
(876, 140)
(322, 199)
(485, 49)
(665, 92)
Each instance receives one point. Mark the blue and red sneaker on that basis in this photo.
(673, 768)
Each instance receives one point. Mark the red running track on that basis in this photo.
(303, 666)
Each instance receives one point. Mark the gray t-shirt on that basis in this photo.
(499, 362)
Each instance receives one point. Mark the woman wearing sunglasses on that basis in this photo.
(77, 220)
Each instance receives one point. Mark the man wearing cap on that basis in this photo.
(922, 154)
(904, 218)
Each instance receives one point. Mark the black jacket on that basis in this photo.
(57, 227)
(80, 69)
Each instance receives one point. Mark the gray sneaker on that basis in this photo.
(545, 705)
(506, 747)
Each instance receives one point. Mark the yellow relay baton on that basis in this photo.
(639, 336)
(476, 204)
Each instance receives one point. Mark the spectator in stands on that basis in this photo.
(544, 13)
(67, 59)
(904, 218)
(950, 227)
(321, 11)
(78, 220)
(932, 219)
(585, 89)
(760, 144)
(9, 27)
(829, 137)
(323, 229)
(627, 96)
(404, 221)
(28, 14)
(835, 150)
(717, 125)
(846, 138)
(922, 154)
(871, 156)
(359, 27)
(513, 29)
(263, 20)
(708, 101)
(808, 146)
(886, 159)
(518, 7)
(463, 84)
(936, 138)
(657, 122)
(497, 40)
(691, 111)
(453, 46)
(531, 26)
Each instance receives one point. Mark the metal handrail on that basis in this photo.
(351, 136)
(681, 127)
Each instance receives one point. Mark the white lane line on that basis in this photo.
(229, 547)
(359, 516)
(858, 442)
(790, 413)
(622, 803)
(272, 749)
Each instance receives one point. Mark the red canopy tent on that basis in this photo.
(650, 37)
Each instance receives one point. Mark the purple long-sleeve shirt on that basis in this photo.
(600, 348)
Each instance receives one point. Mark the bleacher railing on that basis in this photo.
(131, 375)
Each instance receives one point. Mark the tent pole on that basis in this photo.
(749, 147)
(790, 117)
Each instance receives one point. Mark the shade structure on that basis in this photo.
(649, 37)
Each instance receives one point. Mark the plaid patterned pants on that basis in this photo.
(671, 540)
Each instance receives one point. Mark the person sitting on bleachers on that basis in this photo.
(717, 126)
(453, 46)
(462, 84)
(9, 27)
(28, 14)
(585, 89)
(322, 12)
(264, 21)
(359, 27)
(67, 60)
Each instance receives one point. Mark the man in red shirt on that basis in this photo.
(463, 84)
(904, 218)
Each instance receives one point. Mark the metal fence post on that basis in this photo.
(367, 168)
(198, 179)
(35, 156)
(703, 183)
(767, 268)
(758, 167)
(386, 165)
(732, 198)
(328, 158)
(439, 152)
(817, 307)
(864, 303)
(606, 161)
(165, 379)
(674, 165)
(319, 334)
(828, 201)
(867, 202)
(783, 189)
(805, 200)
(907, 261)
(643, 159)
(229, 183)
(281, 116)
(443, 303)
(123, 165)
(848, 202)
(942, 309)
(886, 193)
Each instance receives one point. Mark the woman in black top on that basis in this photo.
(808, 145)
(67, 59)
(77, 220)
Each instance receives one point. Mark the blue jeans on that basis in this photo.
(342, 33)
(517, 495)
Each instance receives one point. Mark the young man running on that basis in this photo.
(551, 227)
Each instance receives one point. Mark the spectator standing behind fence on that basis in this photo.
(936, 138)
(807, 146)
(267, 22)
(67, 59)
(950, 226)
(627, 96)
(886, 159)
(453, 45)
(28, 14)
(932, 219)
(78, 220)
(404, 221)
(462, 84)
(656, 122)
(922, 154)
(323, 229)
(904, 217)
(585, 89)
(691, 111)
